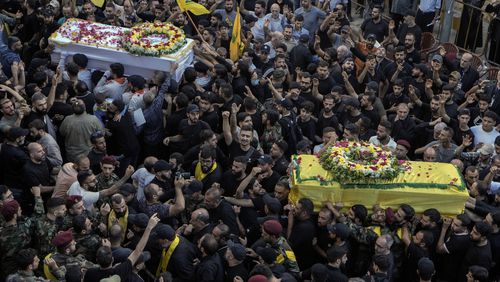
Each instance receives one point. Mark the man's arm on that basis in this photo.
(441, 248)
(114, 189)
(226, 128)
(180, 203)
(134, 256)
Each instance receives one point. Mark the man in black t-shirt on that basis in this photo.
(232, 178)
(267, 177)
(480, 251)
(243, 147)
(189, 131)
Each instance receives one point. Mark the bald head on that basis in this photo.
(429, 155)
(36, 152)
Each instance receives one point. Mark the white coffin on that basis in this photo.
(101, 57)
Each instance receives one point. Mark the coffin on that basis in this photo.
(106, 49)
(426, 185)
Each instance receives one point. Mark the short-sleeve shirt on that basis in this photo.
(89, 198)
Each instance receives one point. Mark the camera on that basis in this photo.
(185, 175)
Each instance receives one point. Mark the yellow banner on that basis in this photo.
(234, 46)
(426, 185)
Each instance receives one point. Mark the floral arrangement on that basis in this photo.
(154, 39)
(89, 33)
(360, 162)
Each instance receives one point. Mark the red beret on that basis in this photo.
(404, 143)
(272, 227)
(258, 278)
(62, 239)
(108, 160)
(73, 199)
(10, 208)
(389, 216)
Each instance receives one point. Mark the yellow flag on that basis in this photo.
(193, 7)
(234, 46)
(98, 3)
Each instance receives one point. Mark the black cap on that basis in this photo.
(286, 103)
(304, 38)
(351, 101)
(164, 231)
(340, 229)
(272, 204)
(16, 132)
(265, 48)
(265, 159)
(371, 36)
(162, 165)
(269, 255)
(238, 250)
(192, 108)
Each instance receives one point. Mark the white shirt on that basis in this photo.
(481, 136)
(89, 198)
(391, 145)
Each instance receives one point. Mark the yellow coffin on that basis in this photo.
(425, 185)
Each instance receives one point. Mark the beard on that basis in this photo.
(238, 174)
(120, 214)
(42, 112)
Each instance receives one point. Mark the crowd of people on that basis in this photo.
(199, 191)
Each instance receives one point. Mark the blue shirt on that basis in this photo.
(312, 17)
(429, 6)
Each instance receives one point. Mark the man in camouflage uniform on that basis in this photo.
(16, 233)
(87, 242)
(5, 195)
(49, 224)
(27, 261)
(56, 263)
(107, 177)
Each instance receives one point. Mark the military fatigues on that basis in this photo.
(26, 276)
(45, 231)
(87, 245)
(14, 238)
(104, 182)
(66, 261)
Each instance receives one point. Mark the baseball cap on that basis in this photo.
(340, 229)
(16, 132)
(304, 38)
(272, 204)
(164, 231)
(267, 254)
(238, 250)
(265, 159)
(265, 48)
(487, 149)
(371, 36)
(162, 165)
(456, 75)
(351, 101)
(278, 73)
(286, 103)
(192, 108)
(438, 58)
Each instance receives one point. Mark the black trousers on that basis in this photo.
(424, 19)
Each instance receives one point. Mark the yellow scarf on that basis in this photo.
(166, 255)
(199, 174)
(46, 270)
(122, 221)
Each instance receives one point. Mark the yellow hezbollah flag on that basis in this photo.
(234, 47)
(193, 7)
(98, 3)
